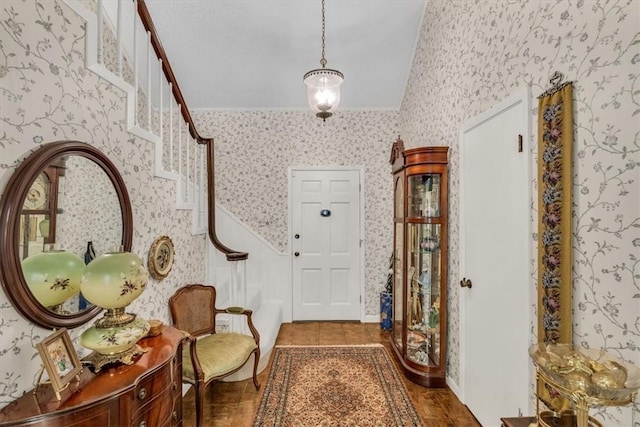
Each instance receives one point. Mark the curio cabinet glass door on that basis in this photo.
(418, 336)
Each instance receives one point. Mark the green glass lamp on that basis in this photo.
(53, 276)
(113, 281)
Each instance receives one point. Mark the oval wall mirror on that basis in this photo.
(66, 193)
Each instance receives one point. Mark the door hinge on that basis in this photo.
(519, 143)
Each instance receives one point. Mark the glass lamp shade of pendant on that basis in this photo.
(114, 279)
(53, 276)
(323, 90)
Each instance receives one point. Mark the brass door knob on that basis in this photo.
(465, 283)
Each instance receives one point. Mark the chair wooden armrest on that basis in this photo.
(211, 356)
(246, 312)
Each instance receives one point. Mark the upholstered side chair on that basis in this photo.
(210, 356)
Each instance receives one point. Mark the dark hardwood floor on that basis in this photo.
(234, 404)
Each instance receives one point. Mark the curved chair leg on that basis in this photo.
(256, 360)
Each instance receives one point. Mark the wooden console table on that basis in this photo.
(147, 393)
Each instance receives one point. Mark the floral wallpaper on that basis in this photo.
(90, 209)
(254, 149)
(473, 54)
(47, 94)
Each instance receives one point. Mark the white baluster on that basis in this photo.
(203, 187)
(119, 39)
(185, 190)
(237, 284)
(100, 30)
(135, 62)
(192, 194)
(180, 143)
(160, 104)
(171, 127)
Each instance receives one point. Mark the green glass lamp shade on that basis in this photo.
(116, 340)
(44, 228)
(53, 276)
(113, 280)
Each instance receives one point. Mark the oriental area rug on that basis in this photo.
(334, 386)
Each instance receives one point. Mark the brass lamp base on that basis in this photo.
(114, 317)
(98, 360)
(116, 344)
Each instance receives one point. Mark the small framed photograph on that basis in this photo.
(161, 257)
(60, 359)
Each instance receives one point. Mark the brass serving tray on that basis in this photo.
(562, 419)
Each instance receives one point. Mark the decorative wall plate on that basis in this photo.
(161, 257)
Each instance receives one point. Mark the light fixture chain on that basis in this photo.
(323, 61)
(323, 84)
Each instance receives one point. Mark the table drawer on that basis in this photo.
(156, 383)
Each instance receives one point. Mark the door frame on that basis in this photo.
(521, 96)
(288, 300)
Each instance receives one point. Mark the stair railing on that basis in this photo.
(125, 17)
(147, 22)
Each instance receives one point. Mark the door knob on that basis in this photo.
(297, 236)
(465, 283)
(296, 253)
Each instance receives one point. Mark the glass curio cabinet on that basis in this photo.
(418, 336)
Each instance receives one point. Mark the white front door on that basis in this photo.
(325, 244)
(495, 229)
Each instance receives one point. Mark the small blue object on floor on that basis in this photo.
(386, 310)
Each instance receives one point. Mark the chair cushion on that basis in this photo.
(218, 354)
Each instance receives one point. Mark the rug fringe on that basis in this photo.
(328, 345)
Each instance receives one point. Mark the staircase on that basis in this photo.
(122, 47)
(261, 287)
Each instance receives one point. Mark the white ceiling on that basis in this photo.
(252, 54)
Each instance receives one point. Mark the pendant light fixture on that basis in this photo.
(323, 85)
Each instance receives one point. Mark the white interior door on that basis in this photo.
(325, 244)
(495, 256)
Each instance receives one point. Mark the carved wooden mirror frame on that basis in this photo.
(11, 203)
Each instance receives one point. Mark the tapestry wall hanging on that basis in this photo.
(555, 142)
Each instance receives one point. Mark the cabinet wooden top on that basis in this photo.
(422, 155)
(401, 158)
(95, 388)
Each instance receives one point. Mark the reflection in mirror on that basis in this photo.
(89, 209)
(36, 209)
(66, 193)
(71, 204)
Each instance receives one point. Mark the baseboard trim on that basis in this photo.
(454, 388)
(371, 318)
